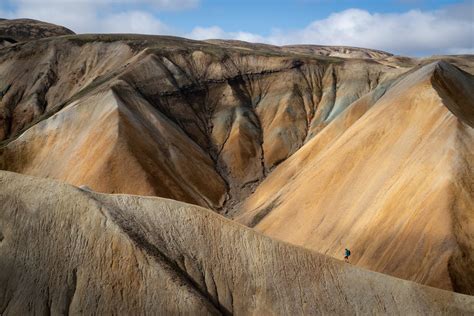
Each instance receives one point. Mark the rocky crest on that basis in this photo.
(21, 30)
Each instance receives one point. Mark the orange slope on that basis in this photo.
(115, 141)
(395, 185)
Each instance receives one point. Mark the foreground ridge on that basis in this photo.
(94, 253)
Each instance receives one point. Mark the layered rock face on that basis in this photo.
(64, 250)
(372, 152)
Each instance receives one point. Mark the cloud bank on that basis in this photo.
(446, 31)
(100, 16)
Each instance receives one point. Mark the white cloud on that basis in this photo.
(215, 32)
(412, 32)
(157, 4)
(248, 37)
(202, 33)
(133, 22)
(460, 51)
(78, 18)
(99, 16)
(447, 31)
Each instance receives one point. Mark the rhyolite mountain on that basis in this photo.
(322, 147)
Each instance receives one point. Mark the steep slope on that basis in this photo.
(247, 111)
(392, 180)
(38, 78)
(66, 250)
(118, 144)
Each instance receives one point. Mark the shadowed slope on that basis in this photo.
(101, 254)
(456, 87)
(395, 186)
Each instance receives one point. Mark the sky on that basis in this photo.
(405, 27)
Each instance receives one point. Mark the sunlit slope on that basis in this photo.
(65, 250)
(117, 144)
(392, 182)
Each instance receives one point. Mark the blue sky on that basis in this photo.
(264, 15)
(409, 27)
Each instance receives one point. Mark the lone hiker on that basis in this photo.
(347, 253)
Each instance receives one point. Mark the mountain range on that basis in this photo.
(157, 173)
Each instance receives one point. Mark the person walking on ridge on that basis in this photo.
(347, 253)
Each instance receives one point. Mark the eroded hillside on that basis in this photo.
(384, 176)
(65, 250)
(242, 113)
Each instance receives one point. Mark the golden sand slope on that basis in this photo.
(393, 182)
(66, 250)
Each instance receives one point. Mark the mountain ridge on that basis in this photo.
(158, 254)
